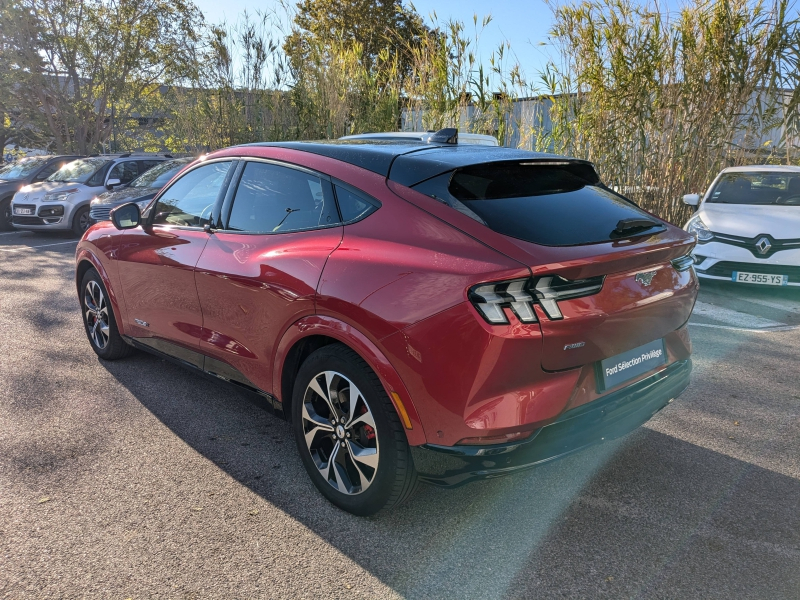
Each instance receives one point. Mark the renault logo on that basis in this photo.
(645, 278)
(763, 245)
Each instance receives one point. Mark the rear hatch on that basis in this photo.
(607, 277)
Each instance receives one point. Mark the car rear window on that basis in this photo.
(547, 203)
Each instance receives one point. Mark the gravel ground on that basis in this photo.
(137, 479)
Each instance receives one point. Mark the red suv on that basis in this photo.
(419, 310)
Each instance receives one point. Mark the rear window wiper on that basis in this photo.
(627, 226)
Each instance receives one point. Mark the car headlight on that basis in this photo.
(699, 229)
(57, 196)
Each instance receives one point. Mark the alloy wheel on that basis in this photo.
(84, 220)
(340, 432)
(94, 302)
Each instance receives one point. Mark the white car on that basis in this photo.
(748, 226)
(61, 202)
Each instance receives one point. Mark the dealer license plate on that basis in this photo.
(760, 278)
(628, 365)
(22, 211)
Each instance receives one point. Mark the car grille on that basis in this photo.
(726, 269)
(23, 220)
(31, 207)
(100, 213)
(751, 243)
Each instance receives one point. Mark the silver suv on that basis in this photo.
(61, 202)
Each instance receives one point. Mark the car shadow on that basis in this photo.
(650, 515)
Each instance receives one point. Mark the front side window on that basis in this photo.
(124, 171)
(757, 187)
(189, 201)
(79, 171)
(275, 199)
(47, 171)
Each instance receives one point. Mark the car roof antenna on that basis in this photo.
(448, 135)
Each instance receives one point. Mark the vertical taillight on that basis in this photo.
(491, 298)
(521, 294)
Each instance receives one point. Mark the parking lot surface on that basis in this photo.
(138, 479)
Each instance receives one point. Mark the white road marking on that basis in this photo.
(34, 247)
(728, 327)
(735, 318)
(788, 307)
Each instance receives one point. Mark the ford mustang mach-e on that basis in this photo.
(420, 310)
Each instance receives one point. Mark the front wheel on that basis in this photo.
(5, 215)
(99, 320)
(81, 221)
(350, 439)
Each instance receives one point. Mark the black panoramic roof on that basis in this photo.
(408, 161)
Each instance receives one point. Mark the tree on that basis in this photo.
(20, 122)
(94, 62)
(379, 28)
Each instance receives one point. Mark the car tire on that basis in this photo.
(375, 470)
(99, 320)
(5, 214)
(81, 221)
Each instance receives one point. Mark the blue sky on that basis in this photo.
(523, 23)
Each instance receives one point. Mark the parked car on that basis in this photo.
(475, 139)
(141, 190)
(25, 171)
(420, 311)
(61, 202)
(748, 226)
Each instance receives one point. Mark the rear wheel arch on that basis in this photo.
(311, 333)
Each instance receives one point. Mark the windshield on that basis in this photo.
(78, 171)
(159, 176)
(23, 168)
(757, 187)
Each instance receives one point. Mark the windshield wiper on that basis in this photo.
(625, 226)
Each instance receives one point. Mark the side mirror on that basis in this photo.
(126, 216)
(112, 183)
(691, 199)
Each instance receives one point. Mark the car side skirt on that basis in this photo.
(210, 367)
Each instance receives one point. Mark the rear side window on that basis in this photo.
(275, 199)
(552, 204)
(352, 205)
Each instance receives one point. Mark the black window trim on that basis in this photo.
(226, 184)
(227, 206)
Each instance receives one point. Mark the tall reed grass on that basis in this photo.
(660, 102)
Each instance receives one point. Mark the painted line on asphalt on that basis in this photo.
(34, 247)
(735, 318)
(793, 307)
(746, 330)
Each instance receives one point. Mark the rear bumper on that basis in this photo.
(606, 418)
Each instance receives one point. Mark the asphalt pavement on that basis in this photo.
(138, 479)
